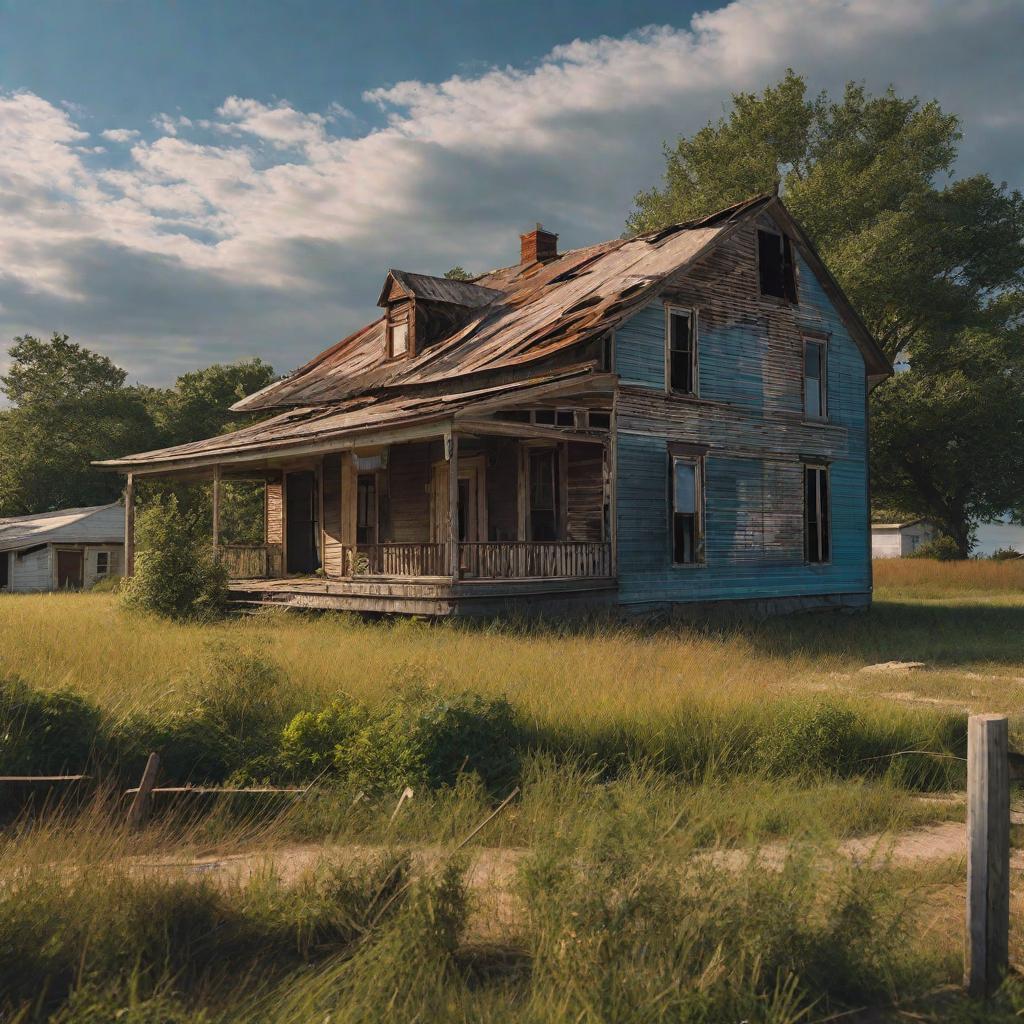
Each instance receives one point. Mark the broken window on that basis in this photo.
(687, 527)
(816, 511)
(682, 361)
(814, 380)
(775, 265)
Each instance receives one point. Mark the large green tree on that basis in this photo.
(920, 253)
(70, 406)
(933, 263)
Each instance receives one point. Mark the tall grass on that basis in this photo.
(927, 578)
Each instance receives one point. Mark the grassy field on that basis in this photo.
(598, 893)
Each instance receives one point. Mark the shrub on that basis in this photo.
(44, 733)
(942, 549)
(176, 574)
(108, 585)
(810, 737)
(1005, 555)
(419, 739)
(311, 739)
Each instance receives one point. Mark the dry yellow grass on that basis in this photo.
(925, 578)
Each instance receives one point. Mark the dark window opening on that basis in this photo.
(565, 418)
(606, 353)
(543, 494)
(775, 265)
(687, 540)
(366, 508)
(681, 354)
(601, 420)
(817, 513)
(5, 566)
(514, 415)
(544, 416)
(814, 379)
(102, 563)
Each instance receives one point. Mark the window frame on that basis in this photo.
(790, 273)
(822, 342)
(373, 475)
(825, 557)
(105, 571)
(674, 309)
(407, 351)
(700, 550)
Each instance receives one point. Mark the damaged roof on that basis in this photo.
(97, 524)
(536, 310)
(435, 289)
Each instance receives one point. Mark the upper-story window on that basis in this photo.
(681, 351)
(398, 338)
(815, 380)
(775, 265)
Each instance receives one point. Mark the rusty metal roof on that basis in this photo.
(436, 289)
(366, 413)
(539, 309)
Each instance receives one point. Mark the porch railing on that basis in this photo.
(536, 559)
(251, 561)
(396, 560)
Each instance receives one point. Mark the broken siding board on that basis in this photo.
(275, 511)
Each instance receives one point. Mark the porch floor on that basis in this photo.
(428, 595)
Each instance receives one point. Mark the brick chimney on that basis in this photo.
(538, 246)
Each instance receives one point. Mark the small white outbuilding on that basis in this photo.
(72, 548)
(897, 540)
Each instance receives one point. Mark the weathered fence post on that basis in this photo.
(140, 803)
(988, 854)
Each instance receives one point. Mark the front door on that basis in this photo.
(70, 570)
(301, 522)
(472, 508)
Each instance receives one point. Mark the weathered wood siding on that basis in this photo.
(275, 512)
(502, 483)
(585, 492)
(749, 415)
(332, 540)
(32, 571)
(409, 473)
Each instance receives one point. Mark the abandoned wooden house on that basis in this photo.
(70, 549)
(675, 418)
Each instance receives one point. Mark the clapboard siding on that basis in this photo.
(749, 415)
(32, 571)
(409, 472)
(585, 512)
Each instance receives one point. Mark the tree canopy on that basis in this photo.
(933, 263)
(70, 406)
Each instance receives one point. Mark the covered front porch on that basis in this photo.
(472, 513)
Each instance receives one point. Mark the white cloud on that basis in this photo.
(120, 134)
(262, 229)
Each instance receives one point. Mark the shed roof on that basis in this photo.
(98, 524)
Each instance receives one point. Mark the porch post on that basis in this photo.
(452, 454)
(216, 511)
(129, 525)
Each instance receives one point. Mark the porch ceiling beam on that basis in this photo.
(509, 429)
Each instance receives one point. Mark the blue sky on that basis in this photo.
(186, 182)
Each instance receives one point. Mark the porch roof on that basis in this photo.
(371, 419)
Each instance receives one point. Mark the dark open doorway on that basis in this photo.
(70, 569)
(301, 518)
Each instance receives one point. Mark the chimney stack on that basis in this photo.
(538, 246)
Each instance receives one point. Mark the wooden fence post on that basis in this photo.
(140, 803)
(986, 950)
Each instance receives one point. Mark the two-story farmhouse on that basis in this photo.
(676, 418)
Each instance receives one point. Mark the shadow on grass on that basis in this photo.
(938, 634)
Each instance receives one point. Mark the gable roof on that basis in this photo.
(539, 309)
(98, 524)
(435, 289)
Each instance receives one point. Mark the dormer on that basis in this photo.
(422, 310)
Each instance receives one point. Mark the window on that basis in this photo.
(398, 339)
(775, 265)
(366, 508)
(600, 420)
(543, 494)
(5, 566)
(102, 563)
(687, 527)
(608, 352)
(565, 418)
(815, 407)
(816, 511)
(682, 361)
(546, 417)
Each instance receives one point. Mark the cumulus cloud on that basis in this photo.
(264, 229)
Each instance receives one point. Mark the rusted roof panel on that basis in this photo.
(438, 289)
(539, 309)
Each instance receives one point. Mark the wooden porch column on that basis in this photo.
(216, 511)
(451, 446)
(129, 525)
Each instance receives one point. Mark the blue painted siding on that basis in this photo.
(749, 416)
